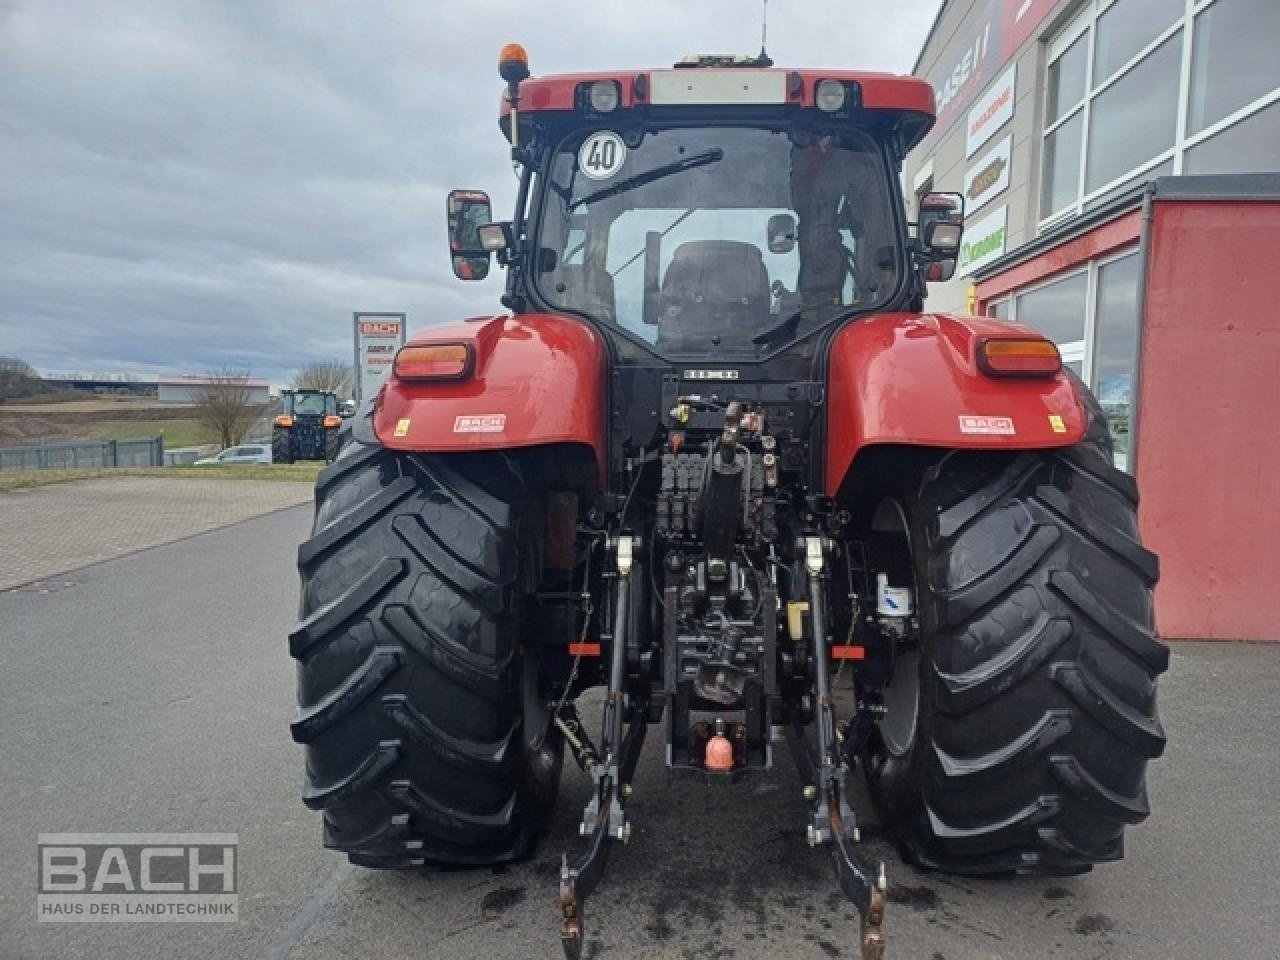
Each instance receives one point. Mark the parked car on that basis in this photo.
(245, 453)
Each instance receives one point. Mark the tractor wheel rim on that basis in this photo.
(901, 704)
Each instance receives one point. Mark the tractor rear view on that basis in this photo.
(306, 427)
(717, 460)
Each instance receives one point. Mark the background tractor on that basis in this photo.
(306, 427)
(717, 460)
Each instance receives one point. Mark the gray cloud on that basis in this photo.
(189, 184)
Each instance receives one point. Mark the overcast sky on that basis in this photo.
(186, 185)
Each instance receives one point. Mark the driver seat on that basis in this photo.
(713, 288)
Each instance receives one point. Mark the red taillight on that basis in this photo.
(436, 361)
(1019, 358)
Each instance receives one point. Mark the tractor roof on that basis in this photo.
(911, 98)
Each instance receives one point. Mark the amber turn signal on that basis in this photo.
(332, 421)
(436, 361)
(284, 420)
(1019, 358)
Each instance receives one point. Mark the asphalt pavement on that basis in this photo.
(152, 693)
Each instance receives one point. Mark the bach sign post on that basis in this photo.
(378, 337)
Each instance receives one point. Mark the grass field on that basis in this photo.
(11, 480)
(176, 433)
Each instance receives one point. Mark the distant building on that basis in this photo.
(114, 384)
(191, 389)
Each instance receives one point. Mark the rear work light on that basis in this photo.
(436, 361)
(829, 95)
(1019, 358)
(605, 96)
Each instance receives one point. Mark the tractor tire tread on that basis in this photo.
(1040, 664)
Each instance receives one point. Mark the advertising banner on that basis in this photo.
(983, 241)
(992, 111)
(378, 337)
(989, 177)
(998, 31)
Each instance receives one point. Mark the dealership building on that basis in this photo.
(1120, 165)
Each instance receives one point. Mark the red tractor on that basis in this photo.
(716, 459)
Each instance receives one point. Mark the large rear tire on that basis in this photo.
(425, 743)
(281, 445)
(1020, 740)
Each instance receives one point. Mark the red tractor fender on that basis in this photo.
(537, 379)
(913, 379)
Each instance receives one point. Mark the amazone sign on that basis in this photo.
(983, 241)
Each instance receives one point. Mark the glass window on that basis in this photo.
(1159, 170)
(1251, 145)
(1057, 309)
(1135, 118)
(1115, 350)
(1066, 81)
(1061, 183)
(1234, 59)
(722, 241)
(1131, 94)
(1125, 28)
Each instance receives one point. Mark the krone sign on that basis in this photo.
(983, 241)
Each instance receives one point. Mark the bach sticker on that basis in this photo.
(1056, 423)
(998, 426)
(601, 155)
(402, 428)
(483, 423)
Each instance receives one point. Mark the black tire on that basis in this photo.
(332, 444)
(281, 448)
(412, 684)
(1037, 670)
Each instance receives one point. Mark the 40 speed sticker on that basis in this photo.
(601, 155)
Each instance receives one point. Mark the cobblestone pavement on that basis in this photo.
(46, 531)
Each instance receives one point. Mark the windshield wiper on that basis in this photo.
(714, 155)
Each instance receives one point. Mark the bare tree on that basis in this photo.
(226, 406)
(331, 376)
(19, 379)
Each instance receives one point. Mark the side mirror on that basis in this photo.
(781, 233)
(468, 210)
(938, 233)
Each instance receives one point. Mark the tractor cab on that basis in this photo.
(306, 427)
(715, 210)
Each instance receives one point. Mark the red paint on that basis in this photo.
(880, 91)
(848, 653)
(538, 379)
(902, 378)
(1209, 444)
(584, 649)
(1097, 242)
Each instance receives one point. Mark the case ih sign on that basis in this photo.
(378, 337)
(964, 74)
